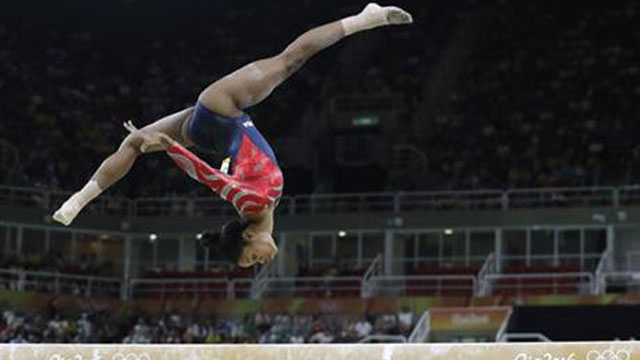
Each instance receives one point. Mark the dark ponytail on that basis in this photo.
(228, 242)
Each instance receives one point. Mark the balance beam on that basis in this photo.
(476, 351)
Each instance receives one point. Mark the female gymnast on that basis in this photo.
(218, 123)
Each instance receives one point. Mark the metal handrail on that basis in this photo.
(330, 261)
(568, 188)
(229, 290)
(538, 275)
(603, 264)
(314, 284)
(314, 278)
(58, 275)
(456, 261)
(551, 256)
(421, 331)
(529, 276)
(375, 266)
(21, 280)
(628, 277)
(184, 281)
(260, 283)
(629, 255)
(489, 267)
(368, 279)
(632, 274)
(398, 282)
(371, 202)
(505, 323)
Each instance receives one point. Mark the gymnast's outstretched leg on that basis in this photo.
(253, 83)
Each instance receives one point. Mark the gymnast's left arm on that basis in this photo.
(185, 159)
(196, 167)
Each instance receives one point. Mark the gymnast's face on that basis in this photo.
(260, 248)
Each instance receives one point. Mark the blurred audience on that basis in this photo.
(546, 95)
(174, 328)
(56, 262)
(547, 99)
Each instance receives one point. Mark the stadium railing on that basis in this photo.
(425, 285)
(489, 267)
(562, 197)
(325, 286)
(325, 262)
(621, 281)
(583, 283)
(268, 285)
(344, 203)
(48, 200)
(261, 280)
(442, 262)
(214, 288)
(370, 277)
(604, 266)
(420, 333)
(545, 274)
(632, 260)
(541, 284)
(581, 262)
(57, 283)
(505, 324)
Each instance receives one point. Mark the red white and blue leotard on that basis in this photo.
(255, 180)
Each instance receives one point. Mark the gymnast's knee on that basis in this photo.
(294, 57)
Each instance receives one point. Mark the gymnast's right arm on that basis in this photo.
(194, 166)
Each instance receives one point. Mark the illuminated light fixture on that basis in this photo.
(342, 233)
(153, 237)
(448, 231)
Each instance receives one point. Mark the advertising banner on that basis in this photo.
(467, 324)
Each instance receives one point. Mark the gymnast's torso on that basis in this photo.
(253, 161)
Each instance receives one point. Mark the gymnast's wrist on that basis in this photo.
(166, 141)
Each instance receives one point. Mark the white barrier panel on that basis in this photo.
(484, 351)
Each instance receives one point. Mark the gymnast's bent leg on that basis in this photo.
(118, 164)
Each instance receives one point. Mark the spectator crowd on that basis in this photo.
(100, 327)
(545, 95)
(56, 262)
(548, 98)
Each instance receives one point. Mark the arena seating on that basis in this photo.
(540, 285)
(584, 93)
(329, 282)
(175, 327)
(442, 286)
(211, 284)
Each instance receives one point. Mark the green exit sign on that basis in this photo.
(364, 121)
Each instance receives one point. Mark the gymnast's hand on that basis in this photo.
(150, 141)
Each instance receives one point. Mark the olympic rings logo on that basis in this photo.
(608, 355)
(131, 356)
